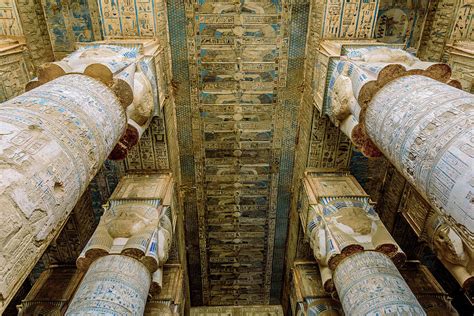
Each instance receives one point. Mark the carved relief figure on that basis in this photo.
(345, 225)
(133, 228)
(454, 252)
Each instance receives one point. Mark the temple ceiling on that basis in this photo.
(237, 142)
(243, 124)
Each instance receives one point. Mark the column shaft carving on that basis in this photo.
(368, 283)
(127, 69)
(425, 128)
(53, 141)
(134, 235)
(392, 103)
(113, 285)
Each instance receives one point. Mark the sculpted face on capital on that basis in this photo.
(128, 220)
(450, 246)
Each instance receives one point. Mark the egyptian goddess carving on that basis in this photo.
(452, 250)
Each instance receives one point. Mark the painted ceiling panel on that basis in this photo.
(239, 136)
(236, 53)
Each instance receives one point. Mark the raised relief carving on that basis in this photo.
(368, 283)
(308, 297)
(411, 112)
(138, 222)
(15, 68)
(342, 221)
(133, 235)
(128, 69)
(452, 249)
(53, 141)
(364, 71)
(10, 24)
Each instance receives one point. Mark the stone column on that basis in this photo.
(426, 129)
(126, 253)
(355, 252)
(368, 283)
(391, 103)
(113, 285)
(53, 140)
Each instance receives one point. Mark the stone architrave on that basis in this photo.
(16, 68)
(461, 60)
(170, 300)
(53, 140)
(428, 291)
(308, 296)
(52, 291)
(134, 236)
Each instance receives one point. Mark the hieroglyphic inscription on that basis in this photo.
(9, 20)
(151, 153)
(69, 22)
(263, 310)
(431, 145)
(350, 19)
(365, 275)
(329, 147)
(130, 17)
(54, 139)
(401, 22)
(15, 69)
(463, 28)
(113, 285)
(240, 55)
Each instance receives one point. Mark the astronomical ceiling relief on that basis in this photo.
(242, 137)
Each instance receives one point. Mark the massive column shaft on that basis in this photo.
(368, 283)
(53, 140)
(426, 129)
(113, 285)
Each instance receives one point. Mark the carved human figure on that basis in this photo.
(452, 250)
(344, 101)
(131, 227)
(344, 226)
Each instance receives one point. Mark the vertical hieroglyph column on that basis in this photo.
(126, 253)
(53, 140)
(368, 283)
(426, 129)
